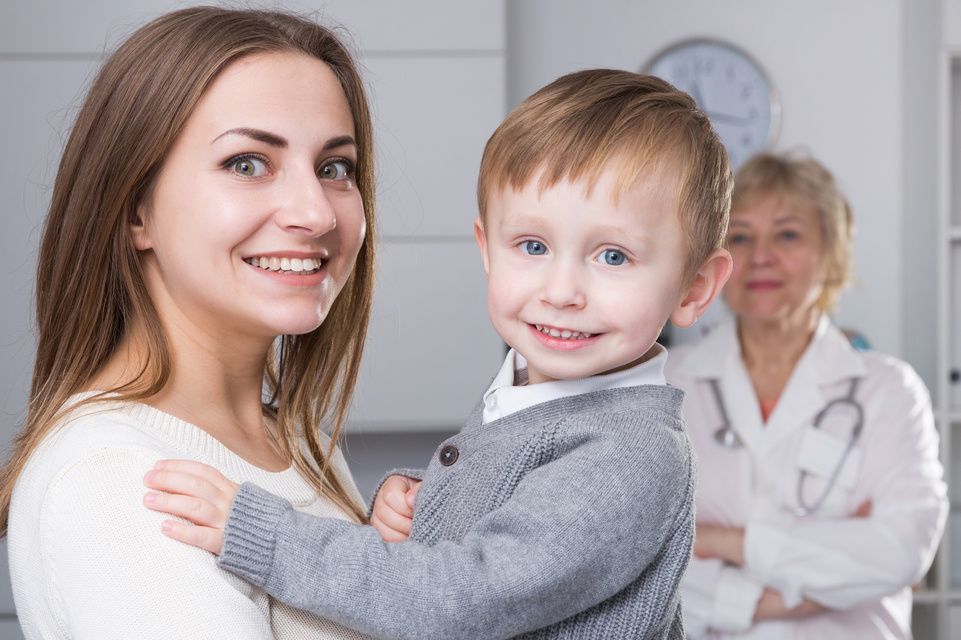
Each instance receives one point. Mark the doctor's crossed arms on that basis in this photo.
(820, 496)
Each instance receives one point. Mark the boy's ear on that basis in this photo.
(481, 238)
(138, 230)
(707, 283)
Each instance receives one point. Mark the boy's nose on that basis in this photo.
(563, 289)
(306, 207)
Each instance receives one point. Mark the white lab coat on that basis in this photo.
(860, 568)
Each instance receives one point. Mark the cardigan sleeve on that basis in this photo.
(111, 573)
(575, 532)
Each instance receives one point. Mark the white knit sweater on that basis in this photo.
(88, 560)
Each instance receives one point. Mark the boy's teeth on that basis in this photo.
(563, 334)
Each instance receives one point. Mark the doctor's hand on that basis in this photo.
(393, 512)
(196, 492)
(716, 541)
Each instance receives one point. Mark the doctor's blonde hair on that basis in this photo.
(796, 179)
(585, 122)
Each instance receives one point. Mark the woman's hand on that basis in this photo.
(393, 511)
(771, 607)
(196, 492)
(724, 543)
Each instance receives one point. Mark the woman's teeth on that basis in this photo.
(563, 334)
(292, 265)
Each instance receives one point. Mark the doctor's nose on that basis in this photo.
(762, 254)
(563, 289)
(306, 207)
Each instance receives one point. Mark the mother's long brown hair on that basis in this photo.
(90, 286)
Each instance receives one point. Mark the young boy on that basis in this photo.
(564, 507)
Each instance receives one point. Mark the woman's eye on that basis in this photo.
(789, 235)
(737, 238)
(533, 248)
(336, 170)
(248, 166)
(613, 257)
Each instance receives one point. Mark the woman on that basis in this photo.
(812, 522)
(216, 193)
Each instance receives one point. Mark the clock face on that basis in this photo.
(730, 87)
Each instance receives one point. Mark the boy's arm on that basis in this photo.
(575, 532)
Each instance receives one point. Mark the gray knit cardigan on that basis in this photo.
(571, 519)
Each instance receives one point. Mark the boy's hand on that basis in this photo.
(393, 510)
(196, 492)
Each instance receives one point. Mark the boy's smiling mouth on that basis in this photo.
(562, 334)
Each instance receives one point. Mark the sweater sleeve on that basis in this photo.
(111, 573)
(575, 532)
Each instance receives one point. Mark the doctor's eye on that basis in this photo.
(613, 257)
(739, 240)
(339, 169)
(248, 166)
(533, 248)
(788, 235)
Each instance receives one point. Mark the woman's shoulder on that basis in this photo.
(892, 377)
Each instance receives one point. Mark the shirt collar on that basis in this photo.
(503, 397)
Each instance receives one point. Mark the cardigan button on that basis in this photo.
(448, 455)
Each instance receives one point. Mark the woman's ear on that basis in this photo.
(481, 238)
(138, 230)
(707, 283)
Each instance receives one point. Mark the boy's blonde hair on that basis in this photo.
(581, 124)
(797, 179)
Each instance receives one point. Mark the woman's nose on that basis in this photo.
(761, 254)
(306, 206)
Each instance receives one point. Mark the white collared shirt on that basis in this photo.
(504, 397)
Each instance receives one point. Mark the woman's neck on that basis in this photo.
(772, 349)
(215, 388)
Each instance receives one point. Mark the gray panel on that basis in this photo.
(431, 351)
(59, 26)
(36, 114)
(10, 630)
(432, 118)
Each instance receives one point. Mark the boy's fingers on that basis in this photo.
(184, 483)
(396, 498)
(198, 511)
(396, 521)
(203, 537)
(199, 469)
(411, 496)
(386, 533)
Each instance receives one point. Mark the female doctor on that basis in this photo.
(820, 498)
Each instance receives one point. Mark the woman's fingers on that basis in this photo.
(197, 510)
(198, 536)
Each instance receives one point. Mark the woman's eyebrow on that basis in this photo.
(257, 134)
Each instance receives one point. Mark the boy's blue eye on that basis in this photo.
(533, 248)
(613, 257)
(248, 166)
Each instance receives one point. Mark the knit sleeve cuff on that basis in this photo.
(413, 474)
(250, 536)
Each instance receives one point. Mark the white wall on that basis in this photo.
(840, 70)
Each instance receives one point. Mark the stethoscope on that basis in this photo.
(728, 438)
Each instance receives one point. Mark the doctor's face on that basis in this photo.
(777, 246)
(254, 221)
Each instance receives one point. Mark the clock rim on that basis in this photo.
(773, 95)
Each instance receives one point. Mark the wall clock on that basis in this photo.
(730, 86)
